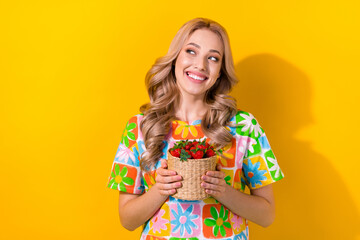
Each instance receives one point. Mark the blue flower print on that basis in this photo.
(141, 146)
(196, 122)
(232, 130)
(165, 149)
(125, 155)
(240, 236)
(264, 142)
(184, 220)
(138, 149)
(253, 174)
(136, 161)
(146, 228)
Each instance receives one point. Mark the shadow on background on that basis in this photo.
(312, 201)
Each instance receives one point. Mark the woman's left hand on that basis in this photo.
(214, 182)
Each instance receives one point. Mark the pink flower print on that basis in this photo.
(250, 144)
(242, 144)
(139, 118)
(125, 155)
(159, 223)
(237, 221)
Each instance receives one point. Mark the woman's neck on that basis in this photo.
(190, 109)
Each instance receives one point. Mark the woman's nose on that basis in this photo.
(200, 63)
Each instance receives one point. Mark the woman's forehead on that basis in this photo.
(207, 39)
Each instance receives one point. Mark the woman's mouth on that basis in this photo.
(196, 78)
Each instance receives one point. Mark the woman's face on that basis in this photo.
(198, 64)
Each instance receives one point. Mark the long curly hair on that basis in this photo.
(164, 95)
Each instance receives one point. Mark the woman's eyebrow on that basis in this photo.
(197, 46)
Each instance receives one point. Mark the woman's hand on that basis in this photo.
(214, 183)
(167, 181)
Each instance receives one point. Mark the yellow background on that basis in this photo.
(72, 73)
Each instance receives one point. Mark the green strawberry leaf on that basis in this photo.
(184, 155)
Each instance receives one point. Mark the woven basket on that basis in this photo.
(191, 172)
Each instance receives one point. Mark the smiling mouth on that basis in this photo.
(193, 76)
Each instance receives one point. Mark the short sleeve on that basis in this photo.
(126, 175)
(260, 166)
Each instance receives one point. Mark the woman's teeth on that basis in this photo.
(195, 77)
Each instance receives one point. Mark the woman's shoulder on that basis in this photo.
(245, 124)
(133, 121)
(137, 116)
(240, 116)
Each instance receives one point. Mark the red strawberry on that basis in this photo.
(201, 146)
(176, 152)
(197, 153)
(210, 152)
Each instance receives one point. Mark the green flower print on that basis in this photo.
(119, 179)
(227, 179)
(219, 222)
(248, 125)
(128, 134)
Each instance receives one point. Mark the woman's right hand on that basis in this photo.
(167, 181)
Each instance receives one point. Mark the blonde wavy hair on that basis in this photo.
(164, 95)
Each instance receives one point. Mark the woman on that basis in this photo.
(188, 100)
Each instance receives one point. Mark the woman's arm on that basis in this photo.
(259, 207)
(135, 210)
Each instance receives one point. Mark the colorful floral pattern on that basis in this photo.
(248, 161)
(160, 222)
(130, 133)
(228, 158)
(119, 179)
(216, 225)
(185, 220)
(184, 130)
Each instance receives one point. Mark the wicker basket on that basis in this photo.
(191, 172)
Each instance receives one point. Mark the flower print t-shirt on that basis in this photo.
(249, 162)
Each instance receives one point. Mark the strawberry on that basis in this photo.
(201, 146)
(210, 152)
(197, 153)
(195, 149)
(176, 152)
(194, 143)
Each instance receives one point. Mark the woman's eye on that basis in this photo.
(190, 51)
(215, 59)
